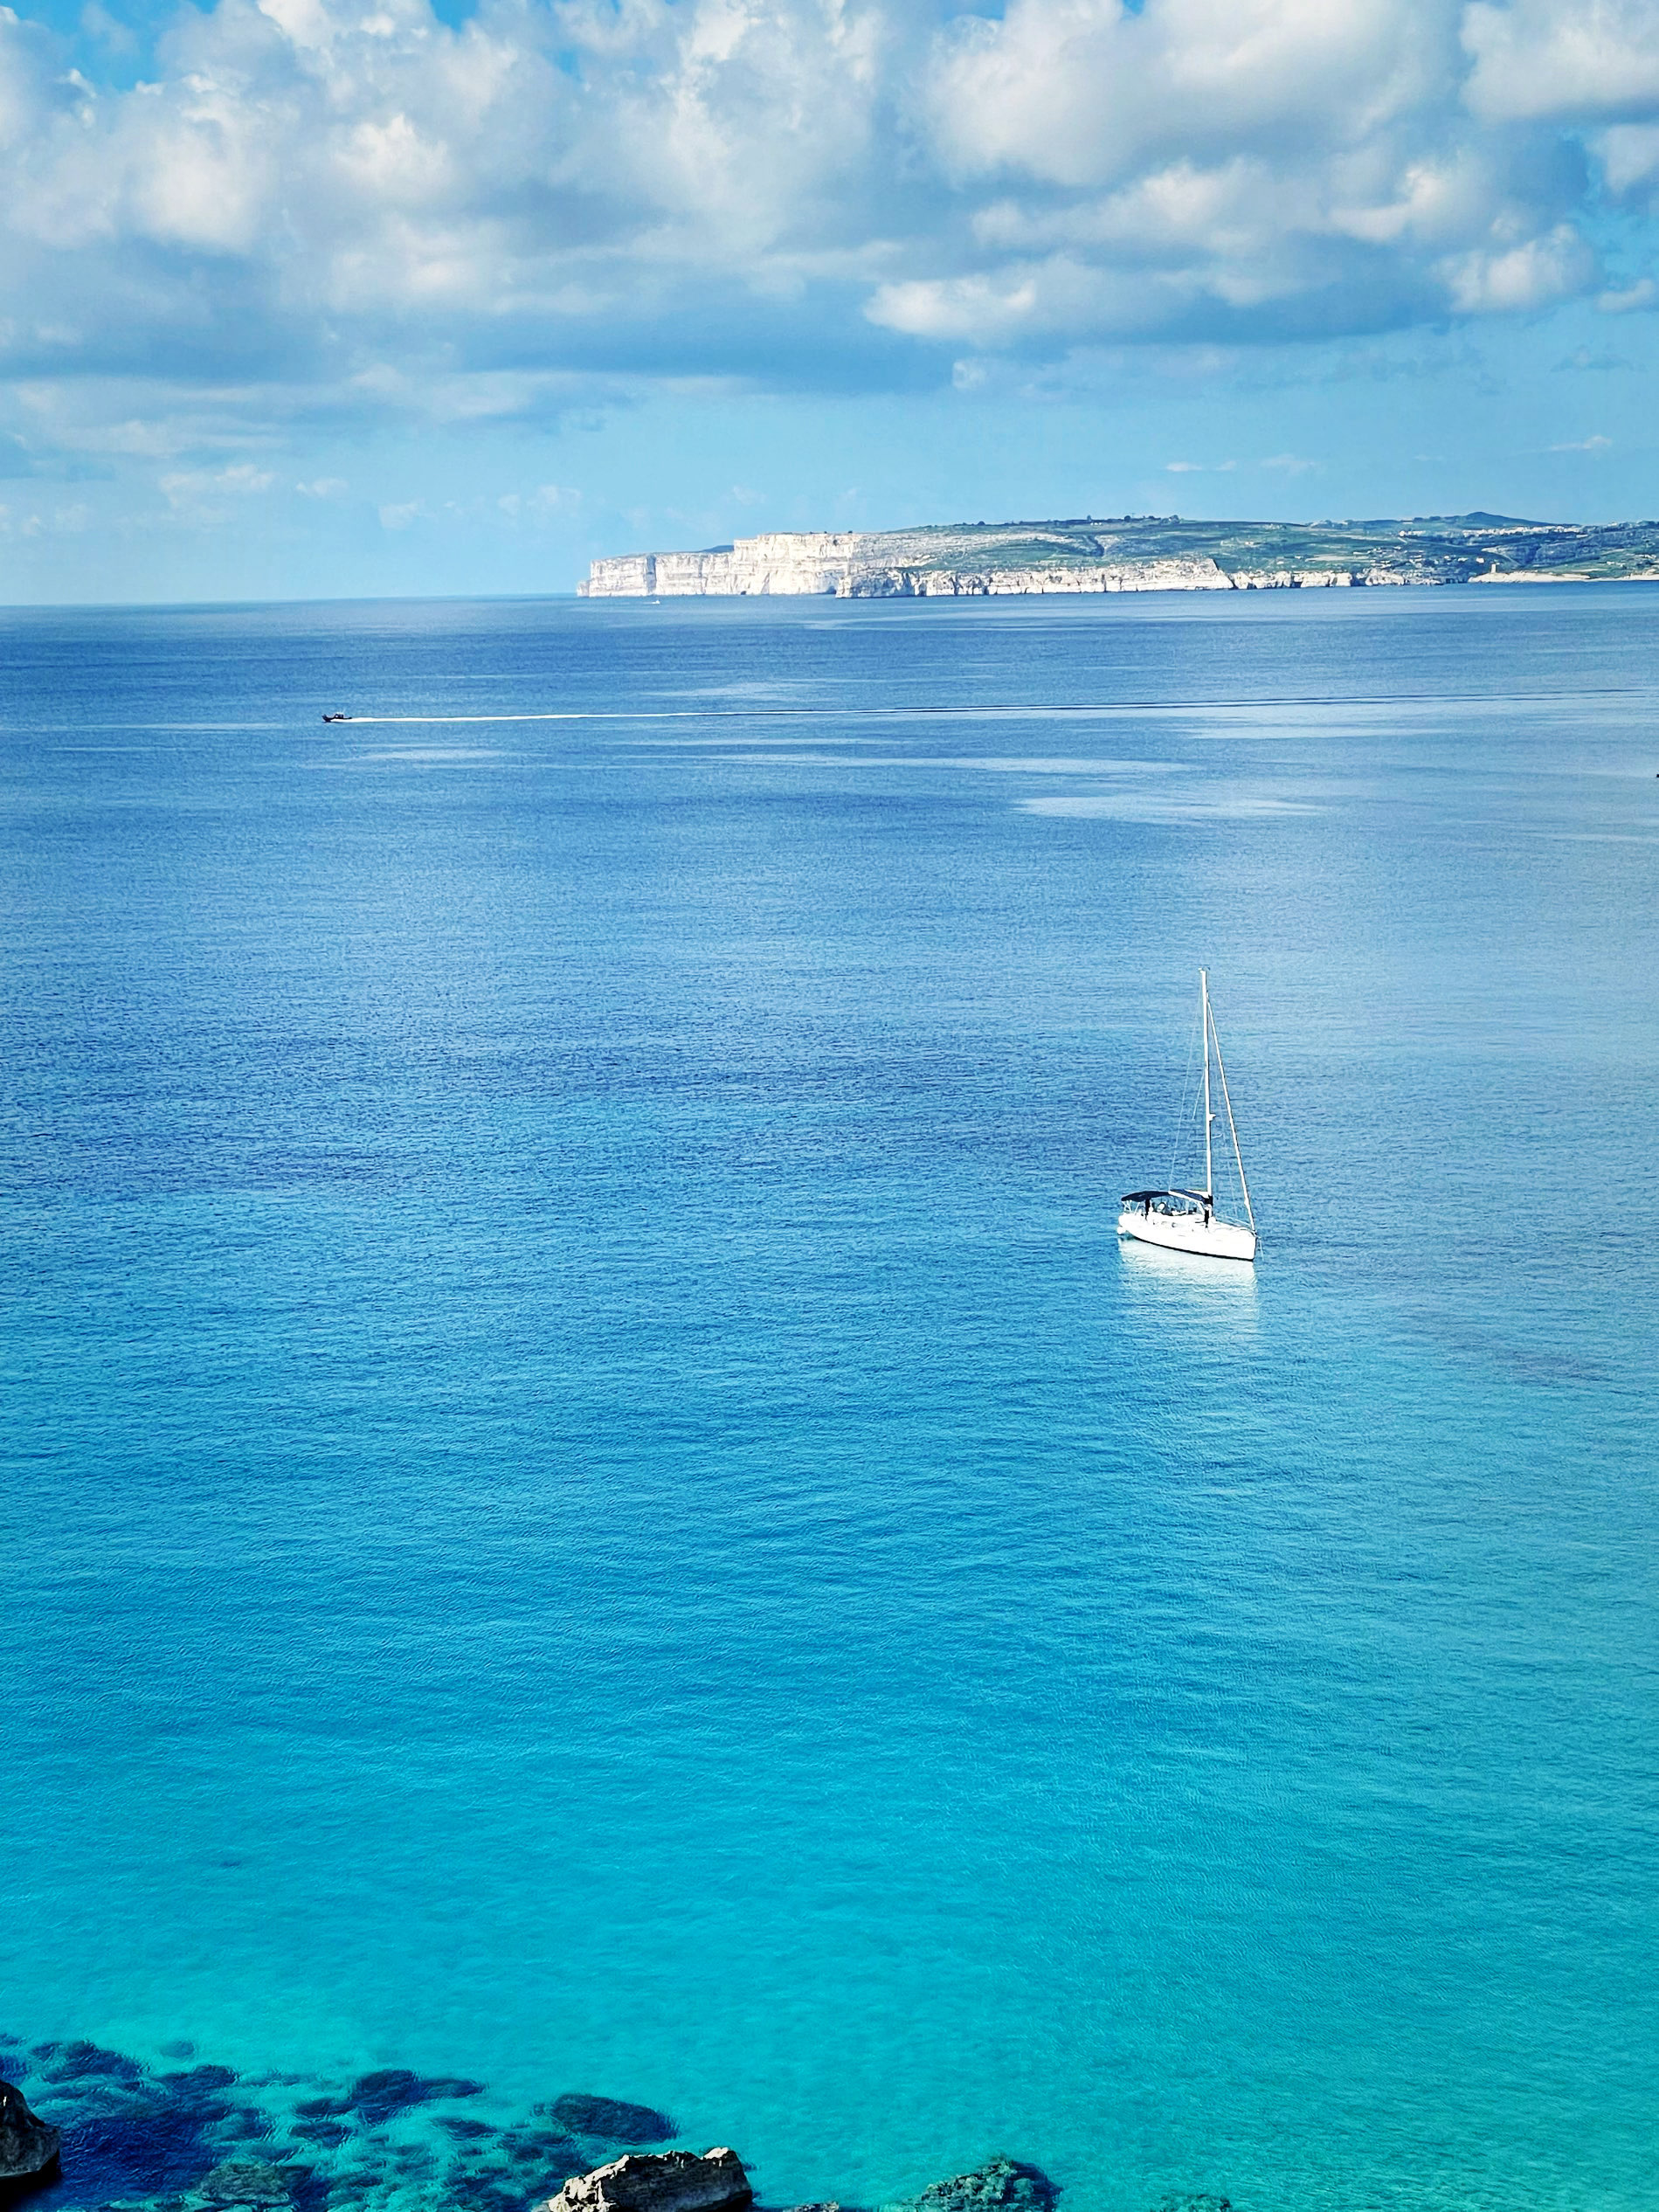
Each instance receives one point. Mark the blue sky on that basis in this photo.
(348, 296)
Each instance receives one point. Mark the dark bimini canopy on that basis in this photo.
(1139, 1198)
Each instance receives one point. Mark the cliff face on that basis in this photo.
(783, 561)
(851, 567)
(1130, 553)
(971, 561)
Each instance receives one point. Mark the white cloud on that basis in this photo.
(1082, 93)
(188, 488)
(346, 209)
(1596, 444)
(61, 522)
(1571, 60)
(1629, 157)
(1643, 294)
(1535, 274)
(541, 505)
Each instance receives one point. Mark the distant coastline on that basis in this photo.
(1136, 553)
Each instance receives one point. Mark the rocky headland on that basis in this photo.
(1136, 553)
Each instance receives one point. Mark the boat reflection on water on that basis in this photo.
(1189, 1287)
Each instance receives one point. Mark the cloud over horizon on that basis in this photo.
(329, 211)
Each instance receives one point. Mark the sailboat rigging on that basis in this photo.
(1184, 1221)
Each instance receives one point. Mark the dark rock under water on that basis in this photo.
(80, 2062)
(117, 2137)
(611, 2120)
(200, 2138)
(246, 2182)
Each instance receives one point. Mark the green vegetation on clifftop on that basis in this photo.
(1439, 549)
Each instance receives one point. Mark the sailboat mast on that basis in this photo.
(1233, 1129)
(1209, 1165)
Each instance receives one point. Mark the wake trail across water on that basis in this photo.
(983, 712)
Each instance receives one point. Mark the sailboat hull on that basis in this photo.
(1210, 1240)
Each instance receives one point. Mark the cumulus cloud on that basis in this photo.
(347, 209)
(1083, 93)
(1535, 274)
(1575, 62)
(1632, 298)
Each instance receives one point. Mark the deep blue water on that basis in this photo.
(589, 1501)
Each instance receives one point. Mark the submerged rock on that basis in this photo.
(612, 2119)
(200, 2081)
(659, 2182)
(549, 2151)
(28, 2146)
(244, 2182)
(126, 2137)
(999, 2182)
(80, 2062)
(394, 2089)
(1198, 2201)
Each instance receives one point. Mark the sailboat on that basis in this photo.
(1187, 1220)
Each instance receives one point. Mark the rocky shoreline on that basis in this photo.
(87, 2129)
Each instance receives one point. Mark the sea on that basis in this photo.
(593, 1507)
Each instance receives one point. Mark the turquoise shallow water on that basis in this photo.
(591, 1502)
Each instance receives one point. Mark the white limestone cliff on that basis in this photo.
(914, 564)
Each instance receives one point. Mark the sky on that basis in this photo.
(324, 298)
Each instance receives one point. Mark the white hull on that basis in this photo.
(1210, 1240)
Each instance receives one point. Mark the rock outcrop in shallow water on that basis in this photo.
(1000, 2185)
(659, 2182)
(29, 2146)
